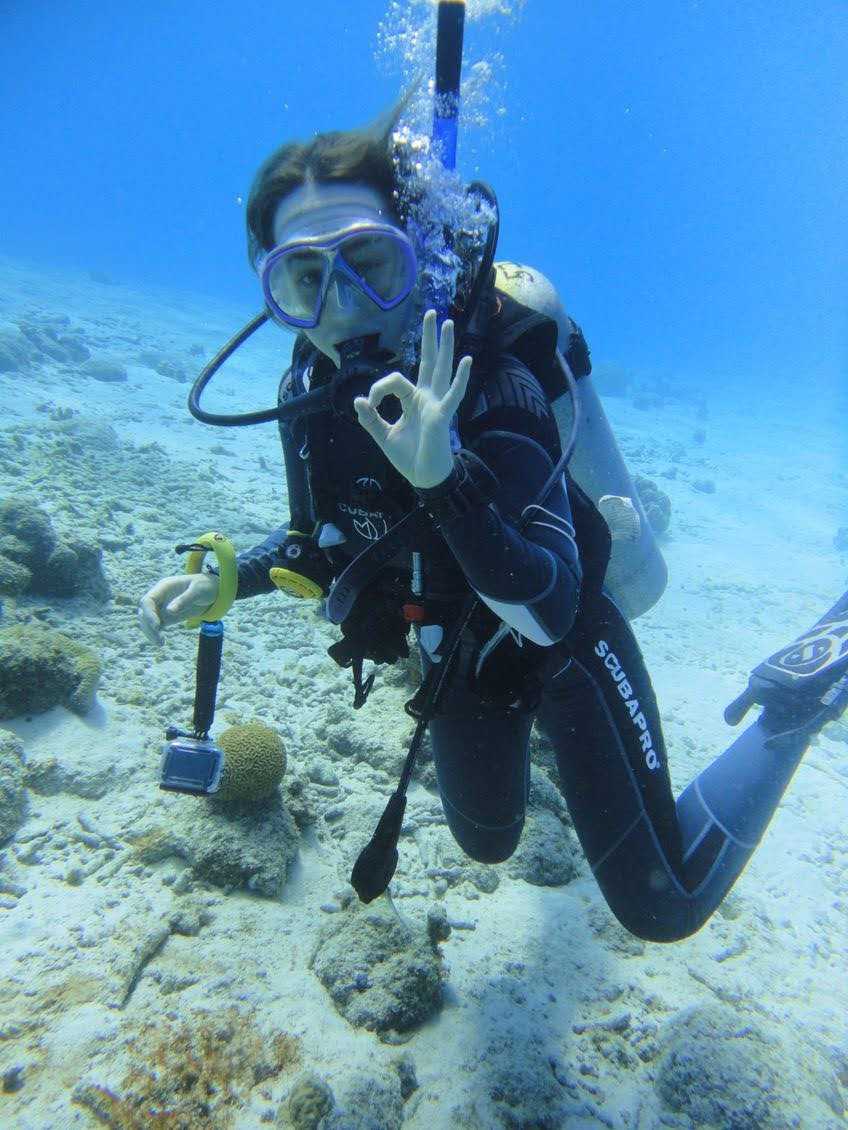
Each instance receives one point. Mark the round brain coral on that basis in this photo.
(254, 761)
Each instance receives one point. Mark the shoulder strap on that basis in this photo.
(532, 338)
(503, 325)
(293, 438)
(305, 440)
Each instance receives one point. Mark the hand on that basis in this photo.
(418, 444)
(173, 599)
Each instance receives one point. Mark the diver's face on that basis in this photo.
(346, 312)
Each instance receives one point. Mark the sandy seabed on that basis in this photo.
(141, 987)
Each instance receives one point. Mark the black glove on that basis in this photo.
(375, 629)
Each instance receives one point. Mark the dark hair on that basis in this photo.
(363, 155)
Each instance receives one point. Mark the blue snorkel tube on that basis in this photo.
(449, 34)
(451, 25)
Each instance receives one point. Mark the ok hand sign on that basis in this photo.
(418, 444)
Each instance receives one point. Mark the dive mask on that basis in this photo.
(376, 260)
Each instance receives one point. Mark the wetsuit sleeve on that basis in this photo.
(254, 564)
(530, 580)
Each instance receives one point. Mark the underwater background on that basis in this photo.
(680, 169)
(680, 172)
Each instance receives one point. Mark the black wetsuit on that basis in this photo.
(573, 662)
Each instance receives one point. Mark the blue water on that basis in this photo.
(679, 170)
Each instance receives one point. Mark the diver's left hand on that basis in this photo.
(418, 444)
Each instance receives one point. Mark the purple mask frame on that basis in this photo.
(330, 244)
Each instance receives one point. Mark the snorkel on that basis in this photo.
(449, 36)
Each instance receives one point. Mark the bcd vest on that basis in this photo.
(353, 486)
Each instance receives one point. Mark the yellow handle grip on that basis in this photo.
(225, 553)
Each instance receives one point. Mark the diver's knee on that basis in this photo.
(671, 924)
(491, 853)
(494, 853)
(485, 845)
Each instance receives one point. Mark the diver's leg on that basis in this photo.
(724, 812)
(481, 754)
(662, 867)
(599, 711)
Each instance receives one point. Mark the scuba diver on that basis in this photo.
(413, 487)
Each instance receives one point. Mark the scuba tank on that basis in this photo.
(636, 576)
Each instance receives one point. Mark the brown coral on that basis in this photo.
(190, 1076)
(41, 668)
(254, 762)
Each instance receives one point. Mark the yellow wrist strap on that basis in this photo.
(225, 553)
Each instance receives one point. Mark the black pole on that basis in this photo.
(210, 642)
